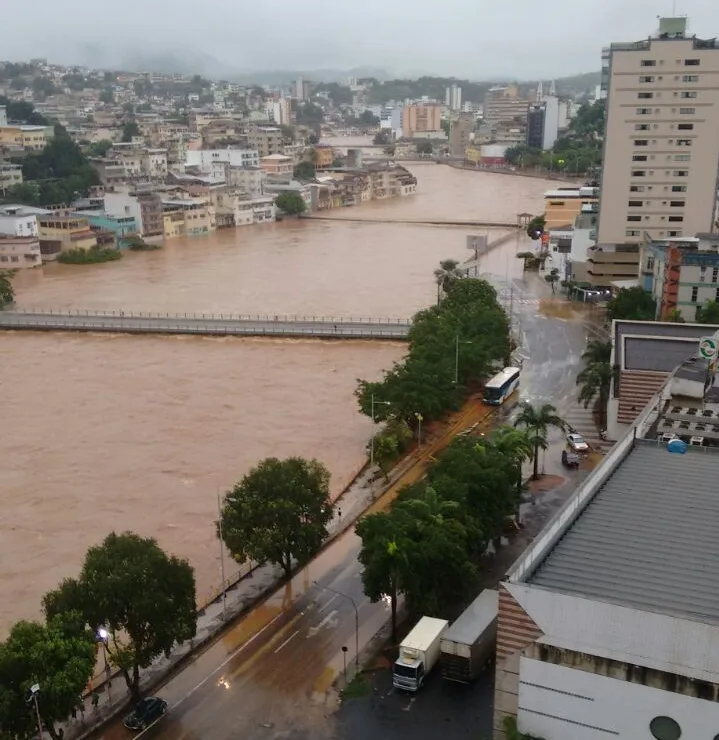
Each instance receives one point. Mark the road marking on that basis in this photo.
(224, 662)
(327, 604)
(328, 620)
(277, 650)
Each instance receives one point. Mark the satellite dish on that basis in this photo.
(677, 446)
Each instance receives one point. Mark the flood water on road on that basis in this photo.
(120, 432)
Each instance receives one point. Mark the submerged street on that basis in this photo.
(271, 675)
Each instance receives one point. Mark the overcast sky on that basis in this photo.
(525, 39)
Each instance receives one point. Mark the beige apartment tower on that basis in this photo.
(661, 147)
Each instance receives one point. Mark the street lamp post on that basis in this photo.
(102, 635)
(344, 658)
(34, 691)
(373, 403)
(419, 418)
(456, 357)
(354, 604)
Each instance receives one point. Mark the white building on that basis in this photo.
(3, 115)
(248, 179)
(17, 220)
(279, 111)
(551, 121)
(453, 97)
(609, 622)
(19, 252)
(204, 158)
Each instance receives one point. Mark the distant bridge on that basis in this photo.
(210, 324)
(419, 221)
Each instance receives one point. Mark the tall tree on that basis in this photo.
(596, 383)
(537, 420)
(278, 513)
(59, 656)
(291, 203)
(143, 597)
(514, 445)
(445, 276)
(633, 304)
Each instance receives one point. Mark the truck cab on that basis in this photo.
(408, 670)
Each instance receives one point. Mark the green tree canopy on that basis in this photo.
(23, 112)
(304, 171)
(142, 596)
(60, 656)
(309, 114)
(278, 513)
(293, 204)
(424, 147)
(129, 130)
(709, 313)
(633, 304)
(99, 148)
(536, 226)
(382, 138)
(7, 292)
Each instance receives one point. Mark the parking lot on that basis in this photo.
(443, 709)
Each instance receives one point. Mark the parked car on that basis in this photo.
(570, 459)
(576, 442)
(147, 711)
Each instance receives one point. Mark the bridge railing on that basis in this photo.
(206, 316)
(100, 324)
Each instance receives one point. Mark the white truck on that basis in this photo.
(469, 644)
(418, 653)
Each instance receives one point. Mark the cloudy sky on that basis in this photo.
(467, 38)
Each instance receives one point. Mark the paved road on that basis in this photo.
(271, 675)
(212, 325)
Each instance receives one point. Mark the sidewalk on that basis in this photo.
(257, 583)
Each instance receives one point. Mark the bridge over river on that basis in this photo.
(210, 324)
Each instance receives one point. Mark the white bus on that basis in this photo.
(501, 386)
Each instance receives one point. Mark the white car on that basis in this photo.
(577, 443)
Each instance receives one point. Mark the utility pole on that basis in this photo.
(34, 691)
(222, 556)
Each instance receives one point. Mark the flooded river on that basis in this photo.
(119, 432)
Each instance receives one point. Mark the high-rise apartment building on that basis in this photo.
(421, 118)
(460, 132)
(453, 97)
(661, 145)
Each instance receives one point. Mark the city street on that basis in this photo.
(271, 675)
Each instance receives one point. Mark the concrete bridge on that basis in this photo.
(210, 324)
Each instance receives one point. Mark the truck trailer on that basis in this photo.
(469, 644)
(418, 653)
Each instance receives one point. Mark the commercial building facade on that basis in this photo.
(421, 118)
(661, 149)
(460, 132)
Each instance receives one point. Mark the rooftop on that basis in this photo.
(647, 538)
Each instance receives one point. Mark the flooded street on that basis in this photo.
(117, 432)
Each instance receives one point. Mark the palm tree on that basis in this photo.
(445, 275)
(537, 420)
(597, 352)
(596, 378)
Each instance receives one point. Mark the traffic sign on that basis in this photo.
(708, 348)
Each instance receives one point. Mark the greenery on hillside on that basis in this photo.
(7, 292)
(22, 112)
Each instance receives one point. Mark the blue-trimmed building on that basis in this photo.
(121, 226)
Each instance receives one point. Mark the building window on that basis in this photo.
(684, 142)
(649, 63)
(681, 173)
(676, 219)
(691, 62)
(688, 94)
(686, 126)
(636, 203)
(675, 233)
(682, 157)
(679, 188)
(636, 188)
(695, 295)
(639, 158)
(643, 111)
(715, 275)
(702, 274)
(676, 203)
(638, 173)
(645, 95)
(634, 218)
(632, 232)
(690, 78)
(641, 127)
(641, 142)
(716, 295)
(650, 78)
